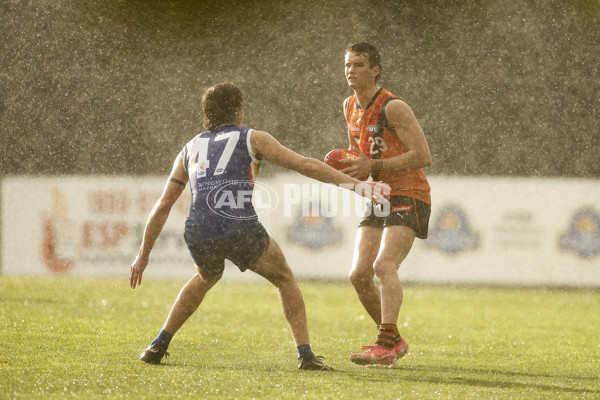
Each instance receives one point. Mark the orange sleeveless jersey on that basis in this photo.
(369, 132)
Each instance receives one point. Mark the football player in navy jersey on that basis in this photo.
(220, 165)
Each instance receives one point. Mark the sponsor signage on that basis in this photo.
(516, 231)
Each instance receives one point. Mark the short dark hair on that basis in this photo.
(220, 105)
(369, 50)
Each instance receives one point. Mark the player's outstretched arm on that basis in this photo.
(157, 219)
(265, 145)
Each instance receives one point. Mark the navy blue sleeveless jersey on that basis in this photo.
(221, 167)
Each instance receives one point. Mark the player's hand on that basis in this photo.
(359, 168)
(381, 191)
(137, 269)
(375, 191)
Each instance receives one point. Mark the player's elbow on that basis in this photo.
(424, 158)
(163, 206)
(426, 161)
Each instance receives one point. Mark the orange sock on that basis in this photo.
(388, 335)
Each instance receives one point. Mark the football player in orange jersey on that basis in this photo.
(392, 149)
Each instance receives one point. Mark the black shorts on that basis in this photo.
(242, 250)
(404, 211)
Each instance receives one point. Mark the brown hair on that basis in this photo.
(220, 105)
(369, 50)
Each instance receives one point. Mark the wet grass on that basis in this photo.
(80, 338)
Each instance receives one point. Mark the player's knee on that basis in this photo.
(209, 280)
(383, 269)
(360, 278)
(280, 276)
(286, 276)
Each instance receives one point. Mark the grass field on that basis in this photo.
(80, 338)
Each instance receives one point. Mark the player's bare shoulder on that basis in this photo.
(399, 114)
(265, 145)
(398, 108)
(259, 140)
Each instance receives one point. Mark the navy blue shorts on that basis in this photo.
(242, 250)
(405, 211)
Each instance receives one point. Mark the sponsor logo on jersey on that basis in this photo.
(583, 234)
(237, 199)
(451, 231)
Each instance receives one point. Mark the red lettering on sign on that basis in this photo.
(103, 235)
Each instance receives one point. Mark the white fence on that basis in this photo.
(512, 231)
